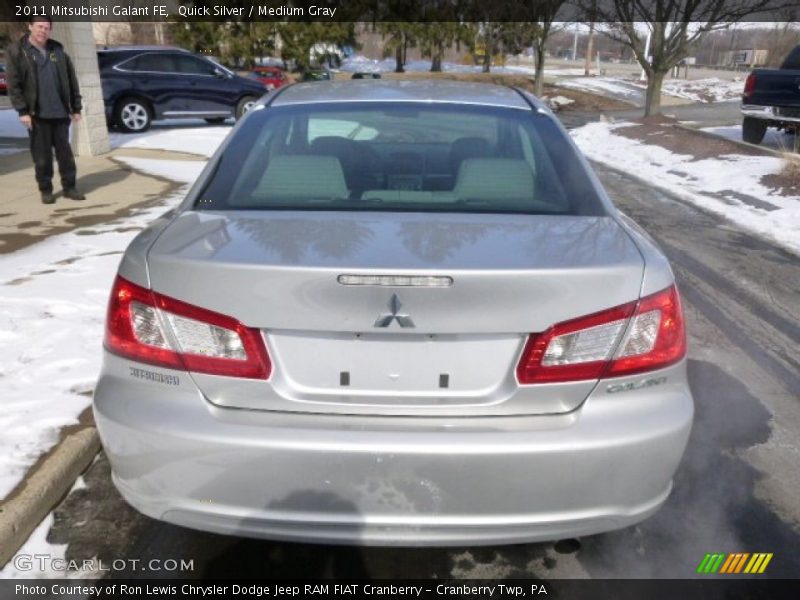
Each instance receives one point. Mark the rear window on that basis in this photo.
(401, 157)
(151, 63)
(793, 60)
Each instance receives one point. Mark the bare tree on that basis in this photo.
(534, 34)
(783, 37)
(675, 27)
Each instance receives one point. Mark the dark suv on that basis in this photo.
(143, 84)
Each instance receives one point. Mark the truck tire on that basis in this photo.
(753, 130)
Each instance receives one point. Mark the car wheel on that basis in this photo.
(132, 115)
(753, 130)
(215, 120)
(244, 105)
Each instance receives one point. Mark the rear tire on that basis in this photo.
(753, 130)
(244, 105)
(132, 115)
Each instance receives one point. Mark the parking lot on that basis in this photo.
(736, 489)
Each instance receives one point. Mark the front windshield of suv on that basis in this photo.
(381, 156)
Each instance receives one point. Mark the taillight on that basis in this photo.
(632, 338)
(159, 330)
(749, 86)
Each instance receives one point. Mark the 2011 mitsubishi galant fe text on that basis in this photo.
(395, 313)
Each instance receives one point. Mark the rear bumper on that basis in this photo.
(767, 113)
(389, 480)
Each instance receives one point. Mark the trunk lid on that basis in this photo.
(389, 350)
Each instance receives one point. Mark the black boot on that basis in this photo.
(73, 194)
(48, 198)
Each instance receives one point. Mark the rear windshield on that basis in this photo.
(793, 60)
(400, 157)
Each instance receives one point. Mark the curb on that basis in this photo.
(44, 489)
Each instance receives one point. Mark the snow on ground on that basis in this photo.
(711, 89)
(707, 90)
(191, 136)
(14, 133)
(777, 140)
(54, 296)
(10, 125)
(180, 171)
(26, 563)
(615, 87)
(717, 184)
(29, 561)
(557, 102)
(362, 64)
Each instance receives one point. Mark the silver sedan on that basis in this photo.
(395, 313)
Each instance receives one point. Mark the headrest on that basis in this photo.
(302, 176)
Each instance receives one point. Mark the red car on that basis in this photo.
(3, 84)
(271, 77)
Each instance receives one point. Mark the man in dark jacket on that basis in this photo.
(44, 91)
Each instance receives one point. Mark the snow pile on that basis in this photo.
(557, 102)
(715, 184)
(711, 89)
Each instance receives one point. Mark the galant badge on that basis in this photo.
(403, 320)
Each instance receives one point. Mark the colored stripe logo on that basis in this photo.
(737, 562)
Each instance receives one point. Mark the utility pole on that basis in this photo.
(575, 43)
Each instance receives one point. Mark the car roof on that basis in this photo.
(432, 91)
(142, 49)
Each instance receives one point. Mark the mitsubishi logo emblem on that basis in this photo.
(403, 320)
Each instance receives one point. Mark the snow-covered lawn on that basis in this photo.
(716, 184)
(615, 87)
(711, 89)
(706, 90)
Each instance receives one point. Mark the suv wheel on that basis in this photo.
(244, 105)
(753, 130)
(132, 115)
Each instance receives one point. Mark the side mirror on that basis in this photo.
(220, 74)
